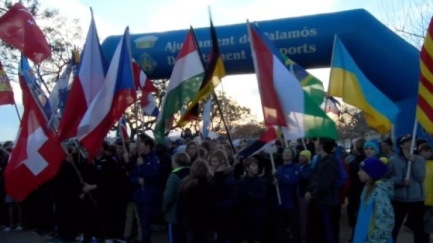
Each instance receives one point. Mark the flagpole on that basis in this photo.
(224, 122)
(412, 147)
(18, 113)
(136, 114)
(330, 73)
(121, 135)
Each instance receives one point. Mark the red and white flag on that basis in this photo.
(86, 84)
(145, 85)
(36, 156)
(116, 94)
(18, 28)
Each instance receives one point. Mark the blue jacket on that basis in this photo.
(150, 172)
(252, 197)
(288, 177)
(376, 215)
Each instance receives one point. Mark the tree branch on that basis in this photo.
(409, 33)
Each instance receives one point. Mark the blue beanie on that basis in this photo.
(372, 144)
(374, 167)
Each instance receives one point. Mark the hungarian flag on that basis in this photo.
(284, 102)
(19, 29)
(214, 73)
(37, 154)
(185, 80)
(424, 110)
(6, 92)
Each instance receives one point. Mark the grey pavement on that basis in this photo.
(158, 237)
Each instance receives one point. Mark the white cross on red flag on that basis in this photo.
(36, 156)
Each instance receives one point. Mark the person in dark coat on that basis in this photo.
(197, 204)
(90, 196)
(146, 183)
(228, 195)
(180, 163)
(109, 188)
(287, 179)
(322, 195)
(355, 185)
(252, 201)
(66, 190)
(165, 170)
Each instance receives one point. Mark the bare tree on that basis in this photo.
(351, 123)
(232, 111)
(62, 35)
(409, 19)
(249, 130)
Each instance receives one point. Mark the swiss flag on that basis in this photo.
(36, 156)
(19, 29)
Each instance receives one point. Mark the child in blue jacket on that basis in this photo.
(287, 180)
(376, 215)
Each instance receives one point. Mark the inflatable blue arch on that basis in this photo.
(386, 59)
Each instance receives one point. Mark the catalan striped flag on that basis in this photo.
(424, 110)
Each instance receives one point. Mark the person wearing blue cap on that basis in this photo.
(376, 215)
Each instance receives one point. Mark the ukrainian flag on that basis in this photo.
(349, 83)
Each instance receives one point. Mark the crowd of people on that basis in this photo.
(205, 192)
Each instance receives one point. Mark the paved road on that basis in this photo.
(28, 237)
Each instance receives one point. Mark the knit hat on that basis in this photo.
(291, 150)
(384, 160)
(374, 167)
(306, 153)
(373, 145)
